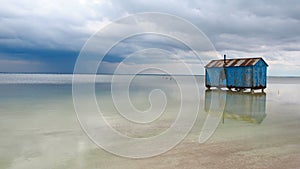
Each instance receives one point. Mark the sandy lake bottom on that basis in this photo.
(39, 127)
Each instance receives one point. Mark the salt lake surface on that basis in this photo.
(39, 127)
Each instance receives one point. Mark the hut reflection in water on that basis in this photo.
(237, 105)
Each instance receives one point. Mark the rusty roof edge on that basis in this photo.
(216, 60)
(237, 58)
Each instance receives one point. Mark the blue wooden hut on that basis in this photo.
(239, 74)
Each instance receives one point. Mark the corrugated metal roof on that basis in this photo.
(233, 62)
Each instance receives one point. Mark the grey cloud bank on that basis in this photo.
(238, 28)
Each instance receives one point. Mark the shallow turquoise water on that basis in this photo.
(39, 128)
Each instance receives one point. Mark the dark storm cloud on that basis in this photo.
(268, 28)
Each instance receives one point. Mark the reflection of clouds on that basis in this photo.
(140, 24)
(285, 95)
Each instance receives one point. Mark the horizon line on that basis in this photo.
(142, 74)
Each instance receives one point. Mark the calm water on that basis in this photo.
(39, 128)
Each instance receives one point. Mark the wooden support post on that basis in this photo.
(223, 118)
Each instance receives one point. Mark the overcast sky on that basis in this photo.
(47, 35)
